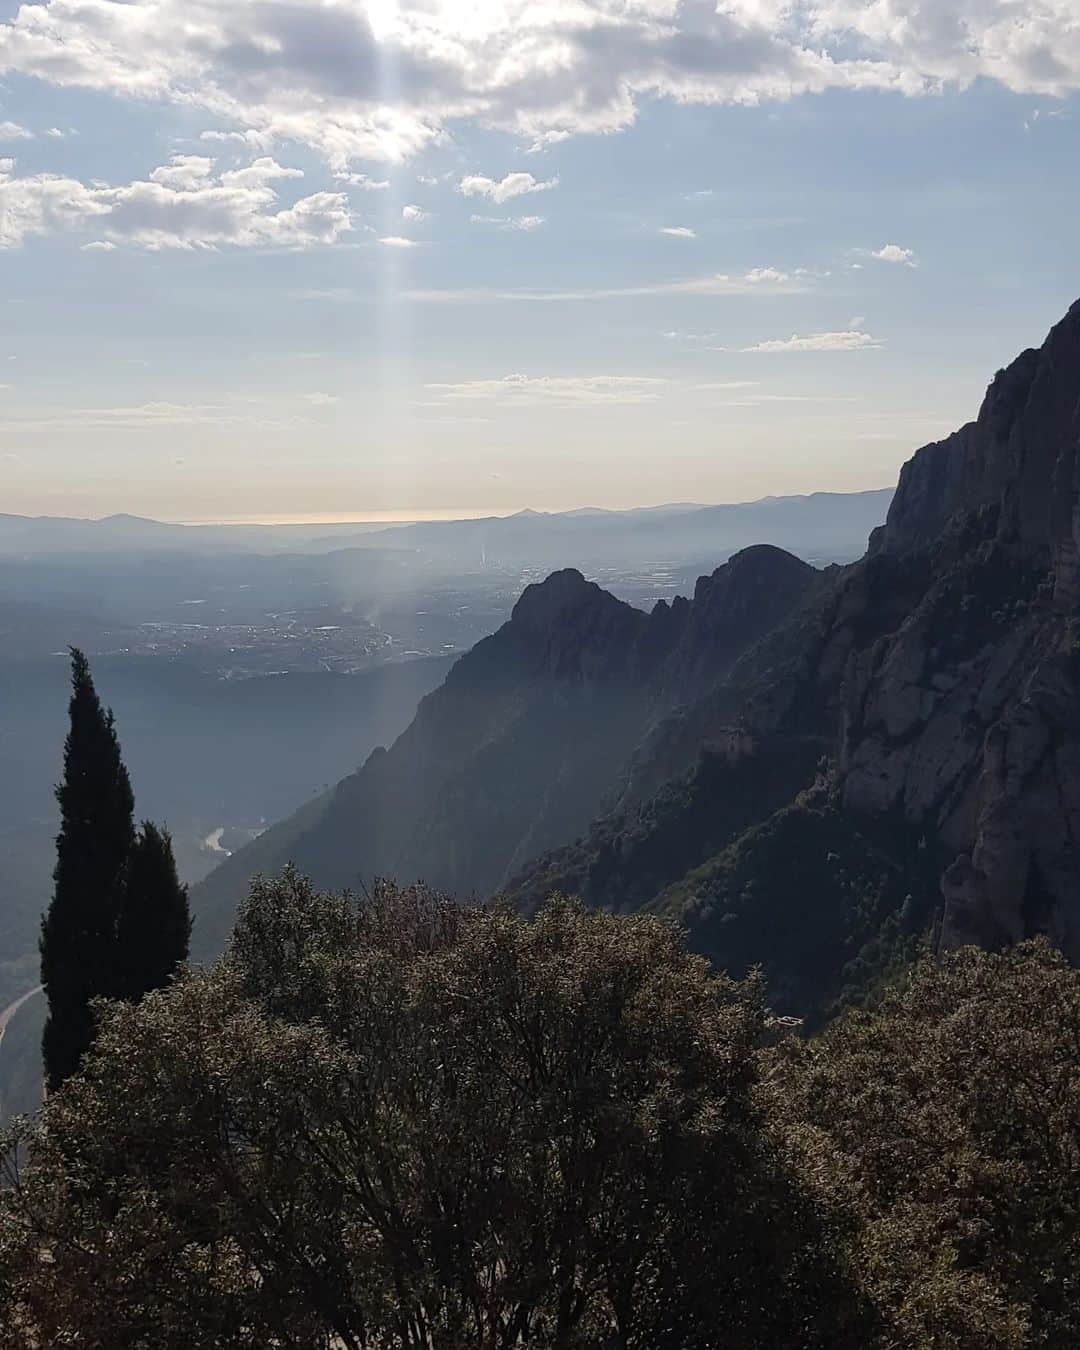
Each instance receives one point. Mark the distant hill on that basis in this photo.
(831, 525)
(827, 526)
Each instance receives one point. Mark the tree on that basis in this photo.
(398, 1123)
(92, 849)
(154, 924)
(945, 1124)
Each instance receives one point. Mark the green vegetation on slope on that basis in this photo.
(826, 909)
(628, 858)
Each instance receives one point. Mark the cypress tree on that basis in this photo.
(97, 833)
(154, 924)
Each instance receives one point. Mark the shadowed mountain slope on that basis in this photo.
(524, 742)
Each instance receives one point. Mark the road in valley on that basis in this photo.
(12, 1008)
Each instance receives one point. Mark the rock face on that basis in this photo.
(965, 720)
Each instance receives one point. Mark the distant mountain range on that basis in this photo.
(811, 769)
(833, 525)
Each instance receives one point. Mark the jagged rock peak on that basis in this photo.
(1018, 459)
(544, 602)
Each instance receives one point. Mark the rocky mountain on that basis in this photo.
(937, 679)
(812, 770)
(520, 747)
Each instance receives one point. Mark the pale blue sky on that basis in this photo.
(625, 252)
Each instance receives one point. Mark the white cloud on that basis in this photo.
(397, 241)
(679, 231)
(764, 275)
(502, 190)
(12, 131)
(318, 73)
(516, 390)
(320, 400)
(726, 385)
(414, 214)
(98, 246)
(184, 204)
(362, 181)
(183, 172)
(893, 253)
(717, 283)
(254, 140)
(525, 223)
(816, 342)
(58, 134)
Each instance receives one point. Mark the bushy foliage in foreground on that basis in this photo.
(400, 1123)
(397, 1123)
(946, 1125)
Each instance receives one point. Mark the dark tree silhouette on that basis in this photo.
(154, 924)
(97, 833)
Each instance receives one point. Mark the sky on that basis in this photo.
(286, 259)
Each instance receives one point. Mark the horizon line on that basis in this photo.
(445, 514)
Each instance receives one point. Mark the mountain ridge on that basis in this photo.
(519, 747)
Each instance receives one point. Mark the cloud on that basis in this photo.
(183, 172)
(98, 246)
(397, 241)
(320, 400)
(361, 81)
(513, 185)
(525, 223)
(815, 342)
(414, 214)
(58, 134)
(254, 140)
(679, 231)
(893, 253)
(717, 283)
(184, 204)
(12, 131)
(158, 411)
(158, 414)
(764, 275)
(362, 181)
(517, 389)
(726, 385)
